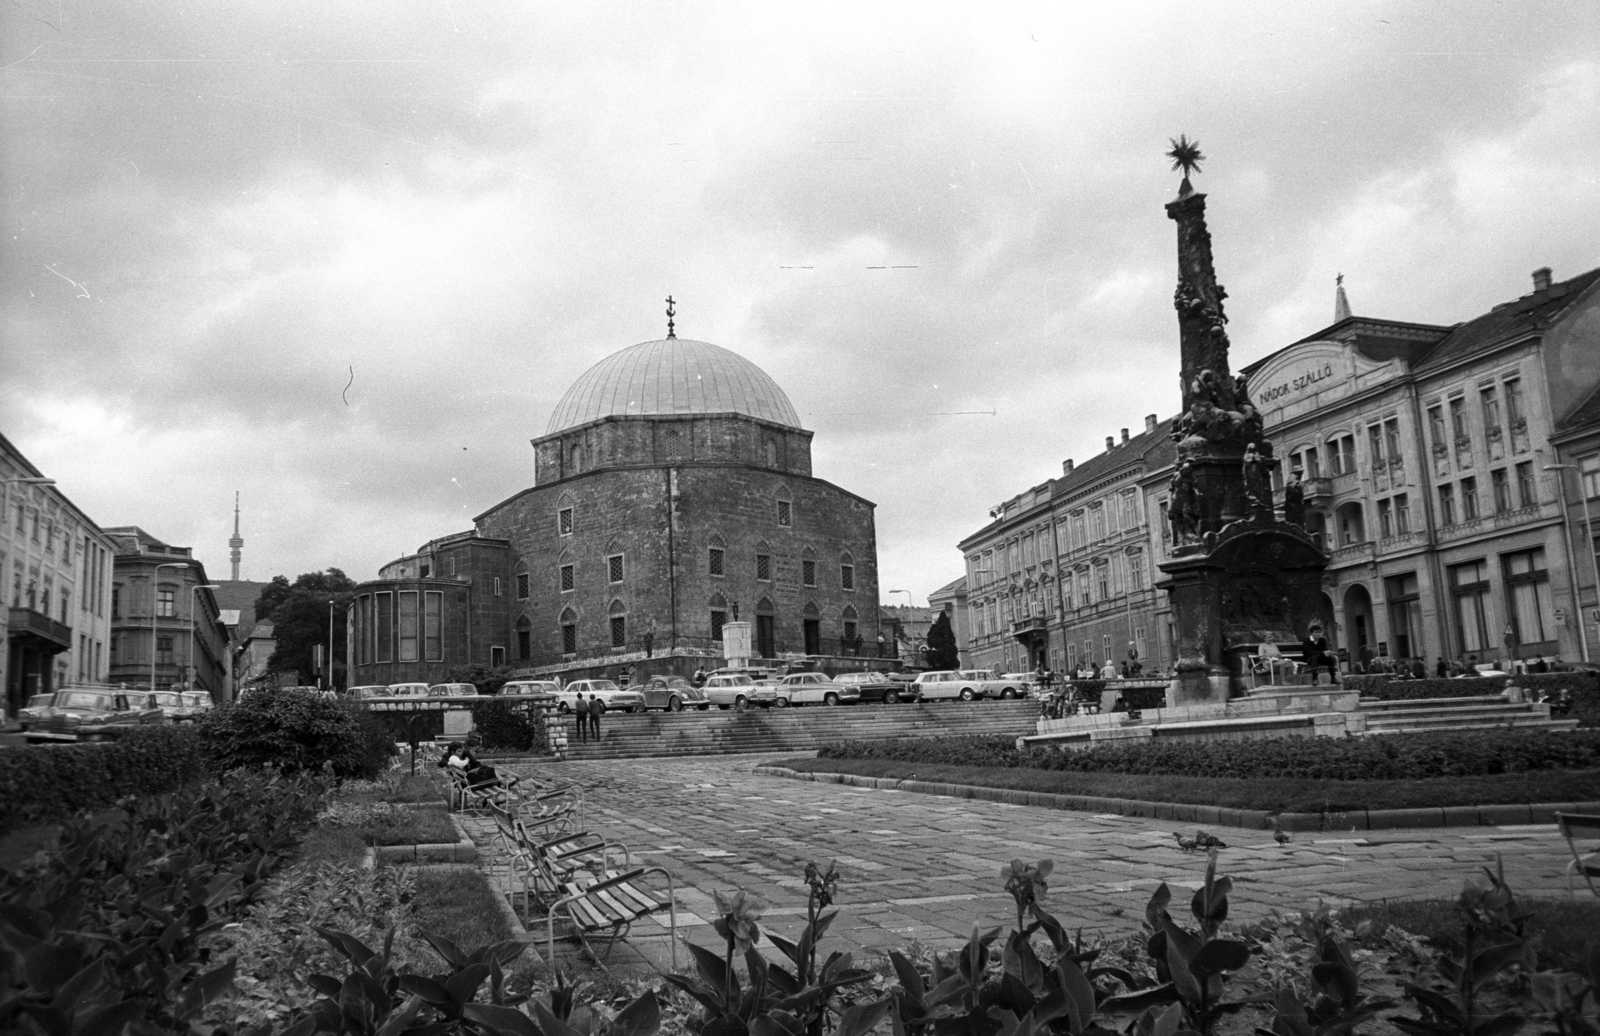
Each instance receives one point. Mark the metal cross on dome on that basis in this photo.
(670, 313)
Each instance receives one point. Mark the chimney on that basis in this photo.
(1124, 437)
(1066, 466)
(1541, 279)
(1111, 443)
(1149, 422)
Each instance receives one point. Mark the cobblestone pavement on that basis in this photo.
(926, 867)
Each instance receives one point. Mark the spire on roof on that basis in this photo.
(1341, 301)
(670, 312)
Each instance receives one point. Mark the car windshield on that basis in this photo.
(603, 685)
(39, 701)
(168, 698)
(735, 681)
(84, 700)
(465, 690)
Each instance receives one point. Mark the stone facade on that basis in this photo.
(646, 531)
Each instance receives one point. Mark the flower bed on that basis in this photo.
(41, 783)
(1393, 757)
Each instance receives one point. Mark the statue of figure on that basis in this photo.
(1294, 500)
(1257, 482)
(1184, 510)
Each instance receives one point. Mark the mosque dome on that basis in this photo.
(668, 377)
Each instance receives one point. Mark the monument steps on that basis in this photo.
(1461, 714)
(718, 732)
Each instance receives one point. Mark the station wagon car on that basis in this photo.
(738, 691)
(92, 714)
(814, 689)
(611, 696)
(530, 689)
(672, 693)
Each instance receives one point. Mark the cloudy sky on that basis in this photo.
(345, 257)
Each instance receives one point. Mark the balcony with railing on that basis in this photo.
(1030, 625)
(29, 622)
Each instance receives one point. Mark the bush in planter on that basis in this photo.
(294, 731)
(499, 726)
(40, 783)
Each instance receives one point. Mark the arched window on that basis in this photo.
(569, 631)
(1351, 524)
(808, 567)
(847, 571)
(850, 638)
(523, 588)
(785, 514)
(763, 560)
(564, 514)
(716, 556)
(566, 573)
(524, 638)
(718, 607)
(619, 623)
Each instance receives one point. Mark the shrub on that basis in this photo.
(502, 727)
(1385, 688)
(292, 731)
(1392, 757)
(40, 783)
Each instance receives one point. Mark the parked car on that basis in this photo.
(92, 714)
(31, 712)
(671, 693)
(614, 698)
(814, 689)
(530, 689)
(453, 690)
(408, 690)
(1023, 684)
(199, 702)
(937, 684)
(877, 687)
(368, 691)
(739, 691)
(172, 705)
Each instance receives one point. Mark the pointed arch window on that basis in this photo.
(808, 567)
(619, 624)
(524, 638)
(847, 571)
(569, 631)
(718, 606)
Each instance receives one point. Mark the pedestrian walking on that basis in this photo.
(597, 708)
(581, 717)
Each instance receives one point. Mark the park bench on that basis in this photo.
(1575, 828)
(609, 903)
(543, 865)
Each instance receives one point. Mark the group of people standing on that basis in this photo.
(587, 713)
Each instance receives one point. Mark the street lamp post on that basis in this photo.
(193, 592)
(1594, 561)
(328, 672)
(155, 606)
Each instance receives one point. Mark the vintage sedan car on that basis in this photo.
(172, 705)
(408, 690)
(877, 687)
(815, 689)
(530, 689)
(368, 691)
(941, 684)
(739, 691)
(199, 703)
(672, 693)
(453, 690)
(614, 698)
(92, 714)
(31, 712)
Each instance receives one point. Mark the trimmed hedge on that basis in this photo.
(1392, 757)
(1387, 688)
(41, 783)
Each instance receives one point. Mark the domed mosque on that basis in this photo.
(672, 493)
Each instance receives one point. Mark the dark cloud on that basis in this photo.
(219, 212)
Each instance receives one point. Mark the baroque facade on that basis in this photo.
(1444, 468)
(673, 493)
(1063, 575)
(166, 629)
(55, 575)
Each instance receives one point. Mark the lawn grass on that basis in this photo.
(457, 903)
(1276, 796)
(1563, 931)
(409, 827)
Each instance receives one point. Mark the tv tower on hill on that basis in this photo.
(235, 542)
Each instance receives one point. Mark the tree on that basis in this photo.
(298, 612)
(942, 653)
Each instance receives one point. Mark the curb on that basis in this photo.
(1217, 816)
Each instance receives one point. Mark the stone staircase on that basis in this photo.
(718, 732)
(1430, 714)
